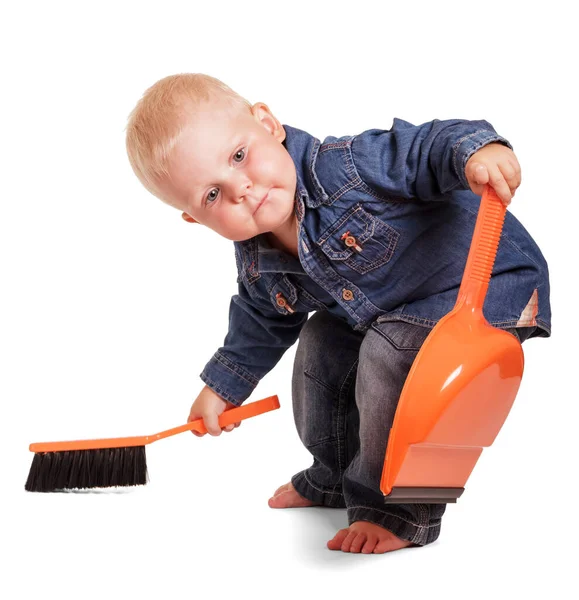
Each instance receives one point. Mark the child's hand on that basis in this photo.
(208, 405)
(496, 165)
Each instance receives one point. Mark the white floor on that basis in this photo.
(110, 304)
(202, 527)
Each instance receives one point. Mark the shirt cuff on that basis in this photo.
(229, 380)
(466, 146)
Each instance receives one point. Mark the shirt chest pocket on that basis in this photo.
(360, 240)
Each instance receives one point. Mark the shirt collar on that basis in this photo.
(303, 149)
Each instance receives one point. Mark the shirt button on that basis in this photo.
(281, 301)
(347, 295)
(350, 241)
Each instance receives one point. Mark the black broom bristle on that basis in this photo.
(83, 469)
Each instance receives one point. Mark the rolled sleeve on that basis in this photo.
(257, 338)
(228, 379)
(420, 161)
(467, 145)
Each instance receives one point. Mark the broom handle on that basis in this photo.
(226, 418)
(483, 250)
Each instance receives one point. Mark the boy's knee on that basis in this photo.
(324, 332)
(392, 342)
(402, 336)
(316, 329)
(386, 355)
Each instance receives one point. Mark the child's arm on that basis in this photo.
(257, 338)
(429, 160)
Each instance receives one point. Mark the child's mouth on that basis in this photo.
(263, 201)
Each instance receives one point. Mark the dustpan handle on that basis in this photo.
(483, 249)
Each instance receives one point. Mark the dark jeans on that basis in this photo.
(346, 387)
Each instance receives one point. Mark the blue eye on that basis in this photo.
(210, 197)
(235, 156)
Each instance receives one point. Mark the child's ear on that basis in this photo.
(263, 115)
(188, 218)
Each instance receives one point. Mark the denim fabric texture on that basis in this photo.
(403, 196)
(346, 387)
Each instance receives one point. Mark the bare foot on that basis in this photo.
(367, 538)
(287, 497)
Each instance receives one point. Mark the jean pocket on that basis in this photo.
(402, 335)
(359, 240)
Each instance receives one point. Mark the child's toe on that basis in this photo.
(336, 542)
(347, 543)
(282, 488)
(358, 542)
(370, 544)
(382, 546)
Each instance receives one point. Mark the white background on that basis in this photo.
(111, 304)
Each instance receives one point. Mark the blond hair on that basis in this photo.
(158, 120)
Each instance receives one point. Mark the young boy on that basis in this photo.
(371, 232)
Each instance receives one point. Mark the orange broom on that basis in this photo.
(114, 461)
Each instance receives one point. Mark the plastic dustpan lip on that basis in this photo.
(423, 495)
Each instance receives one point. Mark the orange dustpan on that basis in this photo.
(460, 388)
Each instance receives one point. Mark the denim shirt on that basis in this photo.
(385, 221)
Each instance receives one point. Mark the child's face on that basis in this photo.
(225, 164)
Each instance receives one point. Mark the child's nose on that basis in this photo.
(242, 190)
